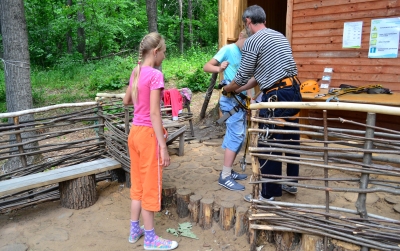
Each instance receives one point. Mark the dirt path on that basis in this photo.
(105, 225)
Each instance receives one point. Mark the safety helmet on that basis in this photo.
(309, 86)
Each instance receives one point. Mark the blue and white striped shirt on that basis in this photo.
(267, 56)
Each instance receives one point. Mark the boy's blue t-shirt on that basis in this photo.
(232, 54)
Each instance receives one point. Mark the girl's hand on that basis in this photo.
(166, 160)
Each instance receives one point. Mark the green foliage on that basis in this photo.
(111, 27)
(72, 81)
(187, 70)
(111, 75)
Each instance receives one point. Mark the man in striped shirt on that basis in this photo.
(267, 61)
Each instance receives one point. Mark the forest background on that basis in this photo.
(78, 48)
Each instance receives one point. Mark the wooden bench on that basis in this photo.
(77, 183)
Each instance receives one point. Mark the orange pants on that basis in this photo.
(146, 172)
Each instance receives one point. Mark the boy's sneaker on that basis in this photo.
(289, 189)
(160, 244)
(135, 237)
(230, 183)
(238, 176)
(249, 197)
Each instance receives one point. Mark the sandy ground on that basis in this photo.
(105, 225)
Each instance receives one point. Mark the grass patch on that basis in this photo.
(70, 81)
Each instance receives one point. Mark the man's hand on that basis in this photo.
(223, 66)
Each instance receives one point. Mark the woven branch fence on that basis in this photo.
(364, 161)
(64, 135)
(59, 136)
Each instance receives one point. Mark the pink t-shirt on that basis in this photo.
(149, 79)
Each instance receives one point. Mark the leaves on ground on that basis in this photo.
(184, 229)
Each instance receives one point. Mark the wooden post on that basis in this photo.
(226, 215)
(78, 193)
(242, 222)
(168, 195)
(18, 139)
(194, 207)
(208, 95)
(367, 159)
(181, 151)
(182, 202)
(252, 237)
(127, 180)
(205, 220)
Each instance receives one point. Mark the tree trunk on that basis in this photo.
(151, 10)
(181, 23)
(81, 32)
(16, 66)
(68, 35)
(78, 193)
(190, 23)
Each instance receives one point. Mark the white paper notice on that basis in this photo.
(384, 39)
(352, 34)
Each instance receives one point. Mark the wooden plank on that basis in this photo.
(326, 32)
(300, 5)
(325, 47)
(328, 54)
(338, 40)
(362, 98)
(351, 7)
(58, 175)
(176, 134)
(391, 12)
(289, 19)
(343, 68)
(349, 61)
(328, 25)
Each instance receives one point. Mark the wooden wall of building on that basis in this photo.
(317, 32)
(229, 23)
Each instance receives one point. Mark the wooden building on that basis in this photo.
(315, 31)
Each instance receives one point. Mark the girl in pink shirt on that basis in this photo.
(147, 146)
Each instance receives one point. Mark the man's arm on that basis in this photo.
(233, 87)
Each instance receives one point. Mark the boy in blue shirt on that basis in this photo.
(227, 60)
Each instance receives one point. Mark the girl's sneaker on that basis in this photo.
(135, 237)
(160, 244)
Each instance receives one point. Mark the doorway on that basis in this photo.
(275, 11)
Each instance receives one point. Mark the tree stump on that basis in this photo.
(182, 202)
(206, 213)
(242, 221)
(226, 215)
(168, 195)
(78, 193)
(194, 207)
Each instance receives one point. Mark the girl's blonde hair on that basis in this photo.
(149, 42)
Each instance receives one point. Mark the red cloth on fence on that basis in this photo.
(173, 98)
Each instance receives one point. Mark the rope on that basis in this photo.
(12, 62)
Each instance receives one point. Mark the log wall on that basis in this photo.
(317, 33)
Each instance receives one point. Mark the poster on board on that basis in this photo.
(352, 34)
(384, 38)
